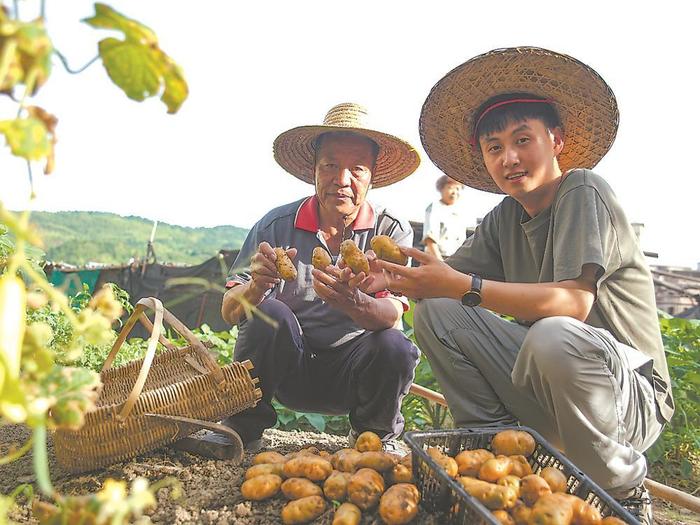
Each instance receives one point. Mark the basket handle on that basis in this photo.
(160, 314)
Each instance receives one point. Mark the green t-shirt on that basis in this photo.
(584, 225)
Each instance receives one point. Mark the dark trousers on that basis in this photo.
(366, 378)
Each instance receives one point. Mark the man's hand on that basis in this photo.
(339, 288)
(433, 278)
(263, 272)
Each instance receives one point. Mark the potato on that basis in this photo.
(399, 504)
(314, 468)
(297, 488)
(269, 457)
(347, 514)
(308, 451)
(494, 497)
(303, 510)
(320, 258)
(584, 513)
(513, 443)
(400, 474)
(387, 250)
(365, 488)
(469, 461)
(503, 517)
(447, 463)
(261, 487)
(368, 442)
(353, 257)
(346, 460)
(532, 488)
(612, 520)
(555, 478)
(269, 468)
(336, 485)
(552, 509)
(285, 266)
(521, 467)
(325, 454)
(379, 461)
(495, 468)
(510, 481)
(407, 460)
(521, 513)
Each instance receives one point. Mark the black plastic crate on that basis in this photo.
(440, 493)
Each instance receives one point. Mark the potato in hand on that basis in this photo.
(353, 257)
(387, 250)
(320, 258)
(284, 265)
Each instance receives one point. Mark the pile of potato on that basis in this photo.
(356, 478)
(503, 481)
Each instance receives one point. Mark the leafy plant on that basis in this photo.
(675, 454)
(41, 332)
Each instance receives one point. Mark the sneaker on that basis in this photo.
(352, 438)
(638, 503)
(216, 446)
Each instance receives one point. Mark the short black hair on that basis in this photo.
(497, 119)
(317, 142)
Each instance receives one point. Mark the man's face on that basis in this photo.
(522, 157)
(344, 165)
(449, 194)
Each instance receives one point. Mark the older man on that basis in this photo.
(335, 349)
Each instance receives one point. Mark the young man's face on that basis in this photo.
(522, 157)
(344, 166)
(450, 192)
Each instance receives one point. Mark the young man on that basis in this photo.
(583, 363)
(445, 226)
(335, 349)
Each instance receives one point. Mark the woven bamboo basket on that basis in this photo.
(157, 400)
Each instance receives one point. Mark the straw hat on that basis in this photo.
(585, 103)
(294, 149)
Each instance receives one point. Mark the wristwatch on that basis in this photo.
(473, 296)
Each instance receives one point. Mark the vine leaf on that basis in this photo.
(136, 64)
(27, 49)
(49, 122)
(27, 137)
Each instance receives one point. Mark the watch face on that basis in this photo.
(471, 298)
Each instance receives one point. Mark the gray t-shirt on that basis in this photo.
(295, 225)
(584, 225)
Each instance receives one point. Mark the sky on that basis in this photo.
(256, 69)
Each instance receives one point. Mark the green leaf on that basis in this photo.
(130, 67)
(686, 468)
(27, 137)
(285, 417)
(317, 421)
(136, 64)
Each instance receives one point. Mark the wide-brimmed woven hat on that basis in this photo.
(294, 149)
(585, 103)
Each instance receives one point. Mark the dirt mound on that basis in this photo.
(211, 488)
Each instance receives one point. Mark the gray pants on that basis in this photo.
(573, 383)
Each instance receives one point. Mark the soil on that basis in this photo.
(211, 488)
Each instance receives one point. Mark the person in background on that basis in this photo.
(445, 227)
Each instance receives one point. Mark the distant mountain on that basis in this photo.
(78, 237)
